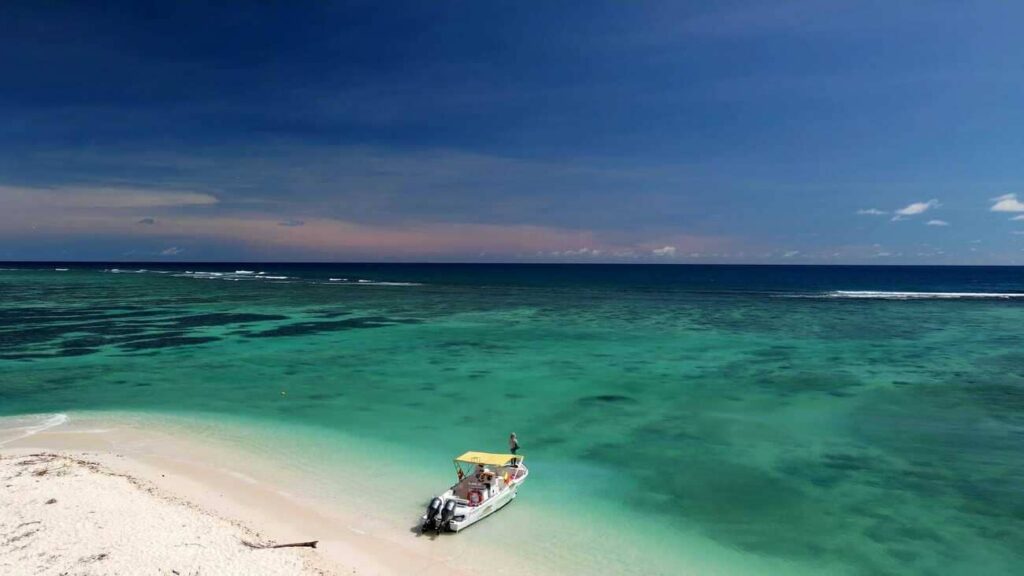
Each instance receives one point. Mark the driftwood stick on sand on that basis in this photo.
(311, 544)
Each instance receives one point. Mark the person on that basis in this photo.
(513, 447)
(485, 476)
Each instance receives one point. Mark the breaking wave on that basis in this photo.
(256, 276)
(18, 427)
(898, 295)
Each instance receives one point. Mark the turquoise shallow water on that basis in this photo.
(860, 421)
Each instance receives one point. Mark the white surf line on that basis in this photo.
(895, 295)
(53, 421)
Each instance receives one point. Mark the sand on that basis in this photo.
(136, 499)
(70, 514)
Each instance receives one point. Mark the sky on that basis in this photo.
(796, 132)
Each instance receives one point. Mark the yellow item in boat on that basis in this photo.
(487, 458)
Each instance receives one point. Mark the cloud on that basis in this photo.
(74, 197)
(231, 222)
(580, 252)
(791, 254)
(1021, 217)
(172, 251)
(937, 223)
(1007, 203)
(915, 208)
(871, 212)
(330, 238)
(373, 185)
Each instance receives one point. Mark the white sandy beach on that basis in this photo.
(70, 514)
(115, 508)
(145, 494)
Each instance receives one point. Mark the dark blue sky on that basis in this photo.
(554, 131)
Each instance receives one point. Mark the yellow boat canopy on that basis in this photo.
(486, 458)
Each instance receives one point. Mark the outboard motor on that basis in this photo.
(447, 513)
(432, 518)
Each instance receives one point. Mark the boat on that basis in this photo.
(486, 483)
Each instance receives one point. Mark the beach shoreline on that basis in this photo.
(72, 512)
(361, 499)
(118, 463)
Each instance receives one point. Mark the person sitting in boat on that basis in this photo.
(483, 473)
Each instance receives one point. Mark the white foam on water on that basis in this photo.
(60, 269)
(250, 275)
(25, 426)
(894, 295)
(364, 282)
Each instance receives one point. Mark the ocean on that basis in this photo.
(720, 419)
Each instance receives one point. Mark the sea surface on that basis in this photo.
(722, 419)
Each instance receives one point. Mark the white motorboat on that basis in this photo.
(487, 482)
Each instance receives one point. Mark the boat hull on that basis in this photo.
(473, 514)
(453, 510)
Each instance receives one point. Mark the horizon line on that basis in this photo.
(500, 263)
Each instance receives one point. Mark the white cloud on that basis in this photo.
(937, 223)
(664, 251)
(791, 253)
(915, 209)
(580, 252)
(102, 198)
(172, 251)
(1007, 203)
(871, 212)
(1021, 217)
